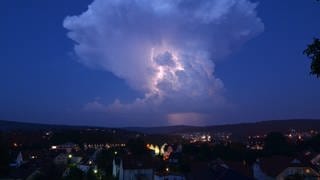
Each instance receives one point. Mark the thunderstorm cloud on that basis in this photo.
(165, 49)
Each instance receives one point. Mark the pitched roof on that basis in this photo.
(207, 171)
(274, 165)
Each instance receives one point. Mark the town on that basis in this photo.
(160, 90)
(106, 153)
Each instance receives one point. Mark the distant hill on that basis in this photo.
(261, 127)
(241, 129)
(164, 129)
(14, 125)
(11, 125)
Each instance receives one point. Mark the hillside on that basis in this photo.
(238, 129)
(242, 129)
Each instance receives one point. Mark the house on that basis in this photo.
(35, 175)
(169, 176)
(133, 168)
(20, 169)
(305, 172)
(76, 159)
(214, 170)
(282, 167)
(316, 160)
(83, 168)
(67, 147)
(61, 159)
(18, 161)
(116, 167)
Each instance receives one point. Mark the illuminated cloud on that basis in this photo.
(165, 49)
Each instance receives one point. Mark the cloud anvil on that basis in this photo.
(165, 49)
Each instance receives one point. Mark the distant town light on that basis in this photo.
(53, 147)
(90, 162)
(95, 171)
(70, 156)
(115, 152)
(307, 170)
(167, 169)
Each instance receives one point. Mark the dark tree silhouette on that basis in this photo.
(137, 146)
(313, 52)
(74, 174)
(313, 143)
(4, 155)
(104, 161)
(276, 144)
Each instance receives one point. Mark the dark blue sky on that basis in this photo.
(42, 81)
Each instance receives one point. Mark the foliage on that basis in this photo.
(313, 52)
(313, 143)
(93, 176)
(137, 146)
(232, 152)
(184, 165)
(79, 137)
(276, 144)
(74, 174)
(104, 160)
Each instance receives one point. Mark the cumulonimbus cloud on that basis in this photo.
(165, 49)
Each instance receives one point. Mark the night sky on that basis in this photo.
(151, 62)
